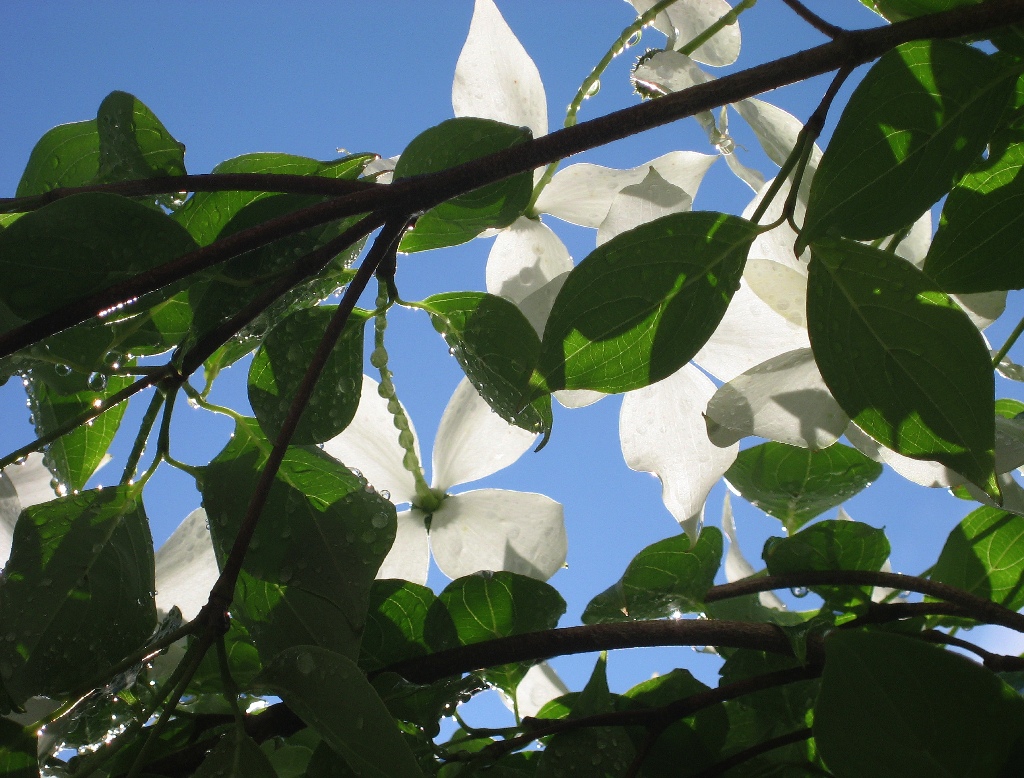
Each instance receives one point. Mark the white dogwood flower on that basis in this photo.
(482, 529)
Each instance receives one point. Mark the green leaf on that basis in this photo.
(604, 751)
(984, 555)
(17, 751)
(280, 364)
(694, 741)
(896, 706)
(1008, 408)
(497, 348)
(67, 155)
(78, 595)
(778, 709)
(315, 552)
(462, 218)
(325, 763)
(913, 126)
(74, 457)
(795, 484)
(79, 245)
(243, 662)
(206, 214)
(425, 704)
(900, 10)
(236, 755)
(981, 230)
(332, 696)
(395, 624)
(830, 545)
(666, 578)
(133, 143)
(489, 605)
(125, 141)
(902, 359)
(640, 306)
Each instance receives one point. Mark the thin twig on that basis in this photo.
(822, 26)
(741, 757)
(422, 192)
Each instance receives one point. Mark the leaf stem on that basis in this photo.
(822, 26)
(386, 389)
(1010, 341)
(744, 756)
(148, 420)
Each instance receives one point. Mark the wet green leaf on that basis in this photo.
(641, 305)
(464, 217)
(321, 540)
(79, 245)
(902, 359)
(78, 594)
(795, 484)
(497, 349)
(395, 624)
(17, 751)
(236, 755)
(668, 577)
(331, 694)
(280, 365)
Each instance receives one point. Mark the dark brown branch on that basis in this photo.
(997, 663)
(285, 183)
(976, 607)
(417, 194)
(825, 28)
(534, 646)
(755, 751)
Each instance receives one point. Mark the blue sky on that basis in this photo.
(310, 78)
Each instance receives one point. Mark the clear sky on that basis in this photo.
(309, 78)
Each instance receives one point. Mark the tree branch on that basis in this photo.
(285, 183)
(414, 195)
(534, 646)
(755, 751)
(976, 607)
(822, 26)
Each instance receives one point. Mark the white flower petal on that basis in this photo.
(777, 244)
(640, 203)
(186, 567)
(982, 308)
(381, 170)
(578, 398)
(783, 399)
(32, 481)
(10, 509)
(495, 78)
(370, 444)
(777, 131)
(524, 258)
(539, 686)
(750, 333)
(662, 431)
(537, 306)
(583, 194)
(473, 441)
(783, 289)
(685, 20)
(920, 471)
(736, 565)
(494, 529)
(747, 175)
(915, 245)
(409, 557)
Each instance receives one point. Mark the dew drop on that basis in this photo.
(62, 370)
(593, 89)
(799, 591)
